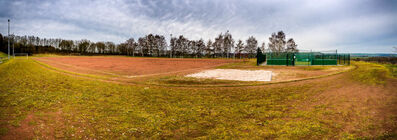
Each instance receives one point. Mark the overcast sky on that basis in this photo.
(348, 25)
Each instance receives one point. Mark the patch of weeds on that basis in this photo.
(370, 73)
(48, 55)
(3, 131)
(32, 123)
(245, 64)
(315, 68)
(348, 136)
(3, 54)
(392, 69)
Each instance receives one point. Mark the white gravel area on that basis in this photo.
(234, 74)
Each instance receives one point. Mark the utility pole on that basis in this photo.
(8, 38)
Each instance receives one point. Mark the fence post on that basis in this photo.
(349, 59)
(322, 59)
(308, 59)
(292, 59)
(287, 59)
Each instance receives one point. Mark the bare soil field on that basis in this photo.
(173, 71)
(129, 66)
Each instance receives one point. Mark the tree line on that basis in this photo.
(152, 45)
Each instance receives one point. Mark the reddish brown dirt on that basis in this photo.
(356, 105)
(129, 66)
(50, 125)
(24, 131)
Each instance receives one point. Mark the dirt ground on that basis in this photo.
(140, 70)
(128, 66)
(296, 73)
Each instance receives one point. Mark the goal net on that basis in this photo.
(21, 55)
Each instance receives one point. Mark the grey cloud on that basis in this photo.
(326, 24)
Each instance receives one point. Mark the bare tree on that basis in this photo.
(239, 48)
(122, 48)
(152, 45)
(101, 47)
(291, 46)
(200, 46)
(218, 45)
(209, 49)
(142, 45)
(83, 46)
(173, 46)
(228, 43)
(92, 48)
(155, 45)
(131, 45)
(277, 42)
(110, 47)
(182, 45)
(162, 44)
(192, 48)
(251, 46)
(66, 45)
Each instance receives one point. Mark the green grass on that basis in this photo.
(103, 77)
(370, 73)
(3, 54)
(3, 57)
(316, 68)
(392, 69)
(302, 63)
(245, 64)
(104, 110)
(48, 55)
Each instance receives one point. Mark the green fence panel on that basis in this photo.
(303, 58)
(307, 58)
(276, 61)
(286, 59)
(325, 62)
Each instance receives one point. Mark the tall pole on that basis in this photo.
(8, 38)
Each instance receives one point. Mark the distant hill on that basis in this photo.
(373, 55)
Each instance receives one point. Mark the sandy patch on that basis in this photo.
(233, 74)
